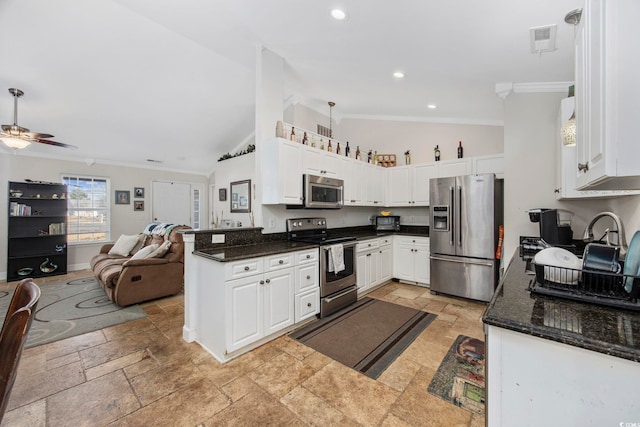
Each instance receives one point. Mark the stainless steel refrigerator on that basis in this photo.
(466, 212)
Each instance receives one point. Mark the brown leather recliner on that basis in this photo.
(129, 282)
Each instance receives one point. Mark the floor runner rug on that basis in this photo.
(70, 308)
(366, 336)
(460, 376)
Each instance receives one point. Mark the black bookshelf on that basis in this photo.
(37, 235)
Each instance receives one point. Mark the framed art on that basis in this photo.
(222, 194)
(138, 205)
(138, 192)
(122, 197)
(241, 196)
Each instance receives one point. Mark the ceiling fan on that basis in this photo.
(17, 137)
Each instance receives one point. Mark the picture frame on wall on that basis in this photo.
(138, 192)
(138, 205)
(123, 197)
(222, 194)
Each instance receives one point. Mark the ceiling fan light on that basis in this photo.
(16, 143)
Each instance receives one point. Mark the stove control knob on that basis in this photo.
(299, 223)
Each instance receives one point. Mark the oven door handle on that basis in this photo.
(340, 294)
(345, 245)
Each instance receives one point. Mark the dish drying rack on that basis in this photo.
(592, 286)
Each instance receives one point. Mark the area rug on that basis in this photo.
(460, 376)
(70, 308)
(366, 336)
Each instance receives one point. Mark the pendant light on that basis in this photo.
(331, 105)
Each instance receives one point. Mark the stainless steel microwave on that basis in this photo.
(321, 192)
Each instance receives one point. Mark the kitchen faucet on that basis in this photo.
(621, 242)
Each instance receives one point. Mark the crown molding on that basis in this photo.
(503, 90)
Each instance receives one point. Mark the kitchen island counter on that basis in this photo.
(593, 327)
(240, 252)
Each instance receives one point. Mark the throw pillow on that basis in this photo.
(123, 245)
(161, 251)
(139, 245)
(144, 252)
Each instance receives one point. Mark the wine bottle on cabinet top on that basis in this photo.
(347, 150)
(437, 153)
(459, 149)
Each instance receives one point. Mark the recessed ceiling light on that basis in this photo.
(432, 106)
(398, 75)
(339, 14)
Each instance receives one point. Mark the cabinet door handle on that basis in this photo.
(308, 277)
(308, 304)
(246, 268)
(281, 262)
(262, 282)
(368, 254)
(308, 256)
(583, 167)
(268, 280)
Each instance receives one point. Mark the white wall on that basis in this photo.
(124, 220)
(530, 132)
(227, 171)
(396, 137)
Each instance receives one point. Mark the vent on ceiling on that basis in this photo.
(543, 39)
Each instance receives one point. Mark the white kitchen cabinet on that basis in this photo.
(566, 159)
(322, 163)
(411, 259)
(385, 259)
(282, 172)
(374, 258)
(455, 167)
(606, 93)
(259, 306)
(355, 183)
(409, 185)
(493, 163)
(252, 301)
(375, 185)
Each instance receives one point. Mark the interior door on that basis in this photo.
(171, 202)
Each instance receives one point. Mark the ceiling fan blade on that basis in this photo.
(36, 135)
(57, 144)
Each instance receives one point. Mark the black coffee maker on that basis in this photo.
(553, 230)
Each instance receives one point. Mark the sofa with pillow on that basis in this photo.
(142, 267)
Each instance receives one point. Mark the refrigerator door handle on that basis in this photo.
(466, 261)
(452, 225)
(459, 222)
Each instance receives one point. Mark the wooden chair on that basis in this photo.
(17, 322)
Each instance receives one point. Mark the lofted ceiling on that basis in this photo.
(128, 81)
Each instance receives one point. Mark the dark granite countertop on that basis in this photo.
(607, 330)
(236, 253)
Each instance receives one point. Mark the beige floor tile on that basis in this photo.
(281, 374)
(188, 406)
(156, 384)
(31, 415)
(221, 374)
(71, 345)
(115, 364)
(93, 403)
(129, 328)
(355, 395)
(239, 388)
(116, 349)
(313, 410)
(393, 421)
(293, 347)
(400, 373)
(257, 408)
(30, 388)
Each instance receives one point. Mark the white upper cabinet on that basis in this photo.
(322, 163)
(493, 163)
(409, 185)
(566, 172)
(455, 167)
(607, 93)
(282, 172)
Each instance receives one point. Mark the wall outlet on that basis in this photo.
(217, 238)
(272, 223)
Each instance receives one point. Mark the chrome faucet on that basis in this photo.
(622, 240)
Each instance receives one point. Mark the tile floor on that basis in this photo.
(142, 373)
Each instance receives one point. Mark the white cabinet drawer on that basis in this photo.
(244, 268)
(307, 277)
(384, 241)
(276, 262)
(368, 245)
(307, 305)
(305, 257)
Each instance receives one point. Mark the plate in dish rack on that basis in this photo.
(560, 265)
(632, 262)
